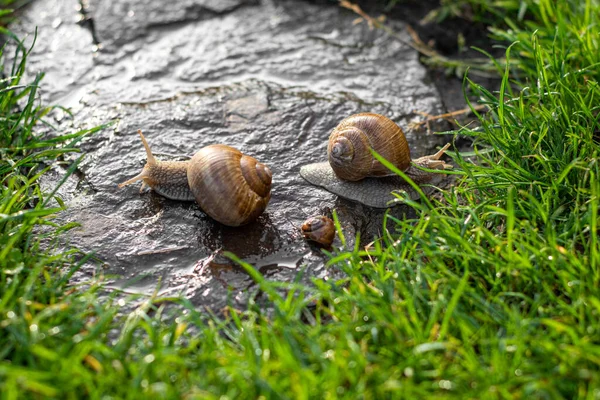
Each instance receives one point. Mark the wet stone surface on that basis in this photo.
(269, 78)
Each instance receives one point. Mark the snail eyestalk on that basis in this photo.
(151, 161)
(149, 155)
(433, 161)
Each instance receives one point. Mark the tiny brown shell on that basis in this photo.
(350, 143)
(319, 229)
(231, 187)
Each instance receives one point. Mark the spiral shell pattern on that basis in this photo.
(350, 143)
(231, 187)
(319, 229)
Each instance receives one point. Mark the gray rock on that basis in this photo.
(270, 80)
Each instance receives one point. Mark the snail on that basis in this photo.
(353, 173)
(319, 229)
(231, 187)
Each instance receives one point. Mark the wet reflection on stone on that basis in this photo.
(259, 237)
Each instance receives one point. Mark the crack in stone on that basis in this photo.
(197, 12)
(192, 13)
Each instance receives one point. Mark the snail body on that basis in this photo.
(353, 173)
(229, 186)
(319, 229)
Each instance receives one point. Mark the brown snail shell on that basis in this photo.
(231, 187)
(319, 229)
(353, 173)
(350, 144)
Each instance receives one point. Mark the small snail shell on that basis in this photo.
(353, 173)
(231, 187)
(319, 229)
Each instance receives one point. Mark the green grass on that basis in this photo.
(491, 292)
(8, 8)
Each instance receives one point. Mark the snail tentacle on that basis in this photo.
(151, 159)
(145, 174)
(431, 162)
(141, 176)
